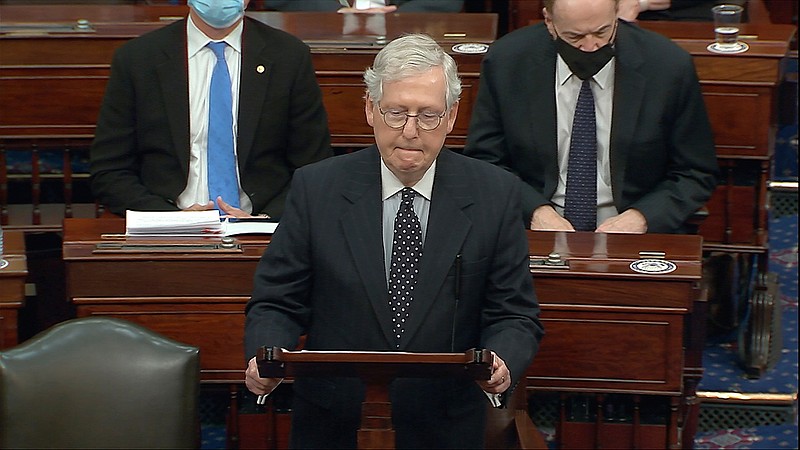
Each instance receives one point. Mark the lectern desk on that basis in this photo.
(376, 370)
(630, 340)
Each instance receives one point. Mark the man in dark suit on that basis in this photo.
(150, 147)
(656, 163)
(327, 274)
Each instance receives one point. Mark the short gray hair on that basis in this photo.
(409, 55)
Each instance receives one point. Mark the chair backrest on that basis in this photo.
(99, 383)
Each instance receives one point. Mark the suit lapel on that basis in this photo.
(363, 223)
(254, 76)
(542, 111)
(173, 78)
(629, 93)
(447, 229)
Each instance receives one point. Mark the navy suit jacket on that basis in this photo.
(140, 155)
(323, 276)
(663, 161)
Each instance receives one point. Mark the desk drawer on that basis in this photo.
(216, 328)
(581, 351)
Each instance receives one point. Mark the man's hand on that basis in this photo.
(545, 218)
(630, 221)
(628, 10)
(379, 10)
(658, 5)
(229, 210)
(226, 209)
(199, 207)
(256, 384)
(500, 380)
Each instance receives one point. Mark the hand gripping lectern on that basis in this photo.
(376, 370)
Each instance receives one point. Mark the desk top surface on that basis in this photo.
(317, 29)
(588, 253)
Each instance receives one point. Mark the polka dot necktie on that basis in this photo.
(580, 203)
(406, 253)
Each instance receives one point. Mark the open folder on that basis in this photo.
(193, 223)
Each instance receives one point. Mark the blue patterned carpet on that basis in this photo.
(720, 360)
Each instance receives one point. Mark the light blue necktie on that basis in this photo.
(580, 203)
(221, 160)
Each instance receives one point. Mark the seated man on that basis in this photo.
(602, 120)
(162, 145)
(365, 6)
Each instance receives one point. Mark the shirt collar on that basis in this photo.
(602, 78)
(197, 40)
(391, 185)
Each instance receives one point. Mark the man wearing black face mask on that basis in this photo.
(653, 161)
(157, 136)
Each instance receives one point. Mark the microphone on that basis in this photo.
(457, 291)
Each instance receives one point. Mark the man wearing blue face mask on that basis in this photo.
(603, 121)
(215, 111)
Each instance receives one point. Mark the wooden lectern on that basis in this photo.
(376, 369)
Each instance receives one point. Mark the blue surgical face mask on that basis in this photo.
(218, 13)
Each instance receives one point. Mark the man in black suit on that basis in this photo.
(656, 163)
(327, 274)
(150, 146)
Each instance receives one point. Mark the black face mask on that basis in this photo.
(585, 64)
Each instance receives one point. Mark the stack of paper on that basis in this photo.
(173, 223)
(193, 223)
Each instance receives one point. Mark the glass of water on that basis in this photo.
(727, 19)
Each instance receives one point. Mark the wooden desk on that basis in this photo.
(48, 59)
(194, 296)
(523, 12)
(597, 313)
(52, 81)
(611, 330)
(12, 287)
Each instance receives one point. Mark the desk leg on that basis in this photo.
(376, 418)
(673, 439)
(233, 417)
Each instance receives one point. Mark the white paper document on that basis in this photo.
(193, 223)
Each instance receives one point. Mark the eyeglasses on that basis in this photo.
(426, 121)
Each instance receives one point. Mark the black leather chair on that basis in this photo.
(99, 383)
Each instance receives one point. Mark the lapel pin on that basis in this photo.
(260, 69)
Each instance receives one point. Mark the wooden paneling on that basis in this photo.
(12, 286)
